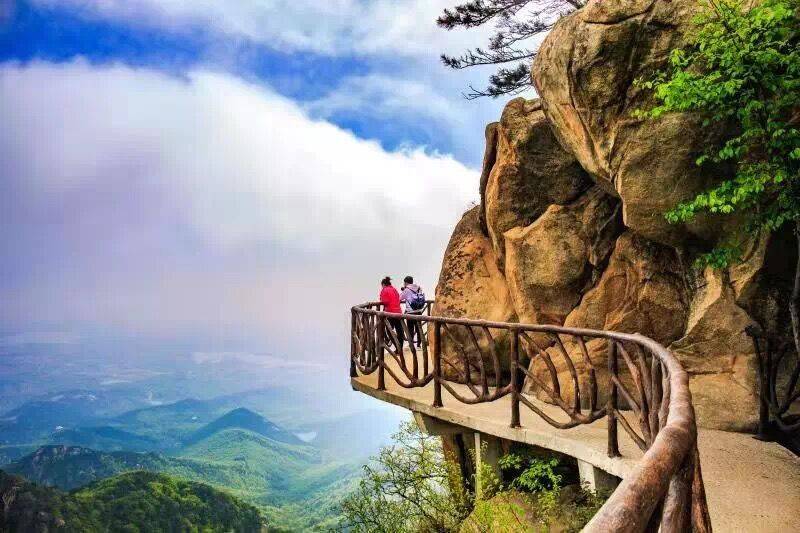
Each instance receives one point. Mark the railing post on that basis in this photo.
(353, 370)
(380, 325)
(437, 364)
(515, 385)
(612, 404)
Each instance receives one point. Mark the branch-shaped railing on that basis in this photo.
(779, 402)
(639, 386)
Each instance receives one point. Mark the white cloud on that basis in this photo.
(397, 44)
(384, 96)
(158, 203)
(402, 27)
(242, 163)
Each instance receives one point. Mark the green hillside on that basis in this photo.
(131, 502)
(70, 467)
(104, 438)
(294, 484)
(169, 424)
(267, 467)
(297, 486)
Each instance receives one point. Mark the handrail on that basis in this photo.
(665, 490)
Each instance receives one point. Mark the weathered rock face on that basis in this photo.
(529, 172)
(642, 290)
(585, 73)
(602, 256)
(470, 286)
(720, 357)
(550, 263)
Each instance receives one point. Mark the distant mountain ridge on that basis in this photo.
(104, 438)
(70, 467)
(243, 418)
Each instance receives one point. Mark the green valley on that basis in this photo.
(294, 484)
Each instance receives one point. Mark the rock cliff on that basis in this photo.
(571, 226)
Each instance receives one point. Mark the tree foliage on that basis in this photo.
(411, 487)
(742, 72)
(517, 23)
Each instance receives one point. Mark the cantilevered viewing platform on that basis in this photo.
(749, 485)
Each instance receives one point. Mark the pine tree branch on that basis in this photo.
(516, 22)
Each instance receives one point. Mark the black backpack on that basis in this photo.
(418, 301)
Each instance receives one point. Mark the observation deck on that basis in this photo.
(672, 474)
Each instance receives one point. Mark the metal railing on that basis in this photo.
(647, 395)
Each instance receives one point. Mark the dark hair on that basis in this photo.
(386, 281)
(408, 279)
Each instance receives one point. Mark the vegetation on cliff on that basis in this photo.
(411, 486)
(414, 486)
(743, 70)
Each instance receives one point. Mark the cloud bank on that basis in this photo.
(204, 205)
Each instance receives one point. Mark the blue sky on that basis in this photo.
(312, 75)
(209, 170)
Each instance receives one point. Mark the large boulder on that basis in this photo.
(640, 291)
(550, 263)
(471, 286)
(585, 72)
(720, 358)
(529, 172)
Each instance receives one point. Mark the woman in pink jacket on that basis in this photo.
(390, 299)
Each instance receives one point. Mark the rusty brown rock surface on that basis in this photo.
(720, 358)
(550, 263)
(585, 73)
(470, 285)
(641, 291)
(530, 171)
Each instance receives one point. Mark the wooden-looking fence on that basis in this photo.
(641, 387)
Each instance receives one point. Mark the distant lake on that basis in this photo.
(307, 436)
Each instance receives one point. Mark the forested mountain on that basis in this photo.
(135, 501)
(105, 438)
(237, 443)
(70, 467)
(295, 485)
(246, 419)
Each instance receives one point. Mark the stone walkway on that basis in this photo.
(751, 486)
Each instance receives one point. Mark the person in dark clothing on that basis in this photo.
(390, 299)
(414, 298)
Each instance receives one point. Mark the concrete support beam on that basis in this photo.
(487, 456)
(595, 479)
(437, 427)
